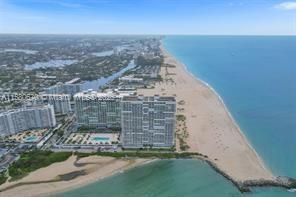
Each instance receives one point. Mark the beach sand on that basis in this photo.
(212, 131)
(96, 168)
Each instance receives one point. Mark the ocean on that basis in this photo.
(256, 78)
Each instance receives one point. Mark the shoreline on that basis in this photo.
(262, 163)
(113, 173)
(77, 179)
(214, 133)
(46, 182)
(243, 185)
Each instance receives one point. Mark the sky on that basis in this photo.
(218, 17)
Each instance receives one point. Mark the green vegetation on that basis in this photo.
(159, 78)
(182, 133)
(181, 117)
(3, 178)
(182, 102)
(60, 132)
(31, 161)
(96, 67)
(142, 154)
(183, 145)
(150, 149)
(168, 65)
(142, 61)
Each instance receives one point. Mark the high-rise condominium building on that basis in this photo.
(71, 87)
(60, 102)
(148, 121)
(15, 121)
(94, 109)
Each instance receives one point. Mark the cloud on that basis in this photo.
(289, 5)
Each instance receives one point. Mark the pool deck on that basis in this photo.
(92, 139)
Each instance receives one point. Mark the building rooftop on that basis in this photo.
(100, 95)
(25, 108)
(149, 98)
(54, 95)
(73, 81)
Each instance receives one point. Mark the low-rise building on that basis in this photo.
(130, 79)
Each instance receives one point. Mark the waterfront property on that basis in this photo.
(101, 110)
(148, 121)
(144, 121)
(18, 120)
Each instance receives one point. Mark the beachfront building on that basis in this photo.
(148, 121)
(18, 120)
(60, 102)
(96, 109)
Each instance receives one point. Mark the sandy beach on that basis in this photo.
(211, 129)
(94, 167)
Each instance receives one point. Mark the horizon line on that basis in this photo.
(133, 34)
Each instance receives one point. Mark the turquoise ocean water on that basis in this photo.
(256, 77)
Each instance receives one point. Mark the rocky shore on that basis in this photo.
(245, 186)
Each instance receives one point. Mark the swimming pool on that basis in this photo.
(100, 139)
(31, 139)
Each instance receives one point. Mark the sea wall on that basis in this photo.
(245, 186)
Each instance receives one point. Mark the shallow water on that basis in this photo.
(161, 178)
(169, 178)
